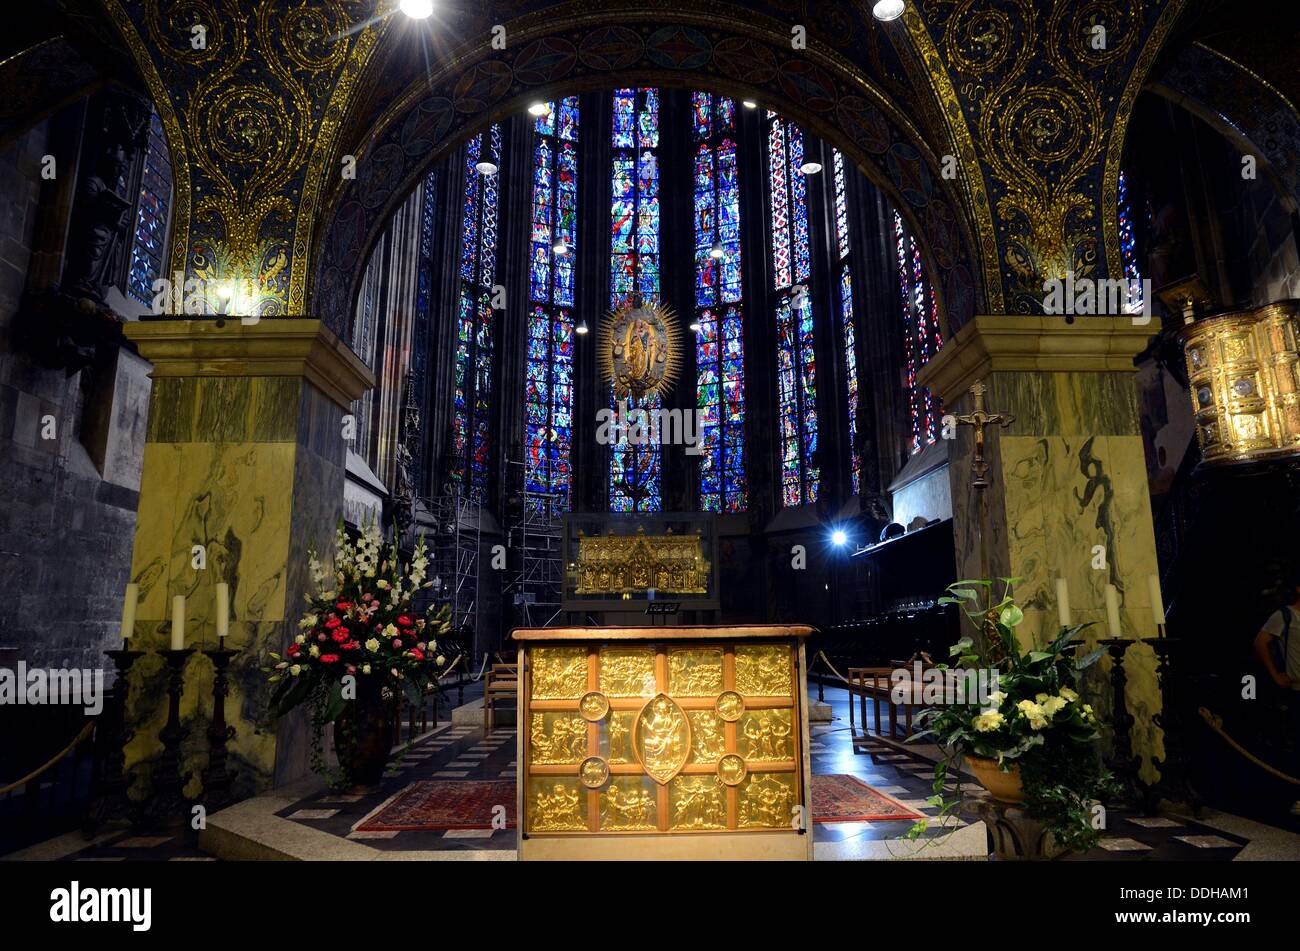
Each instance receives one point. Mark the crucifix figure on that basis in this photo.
(979, 419)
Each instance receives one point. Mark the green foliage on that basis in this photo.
(1036, 719)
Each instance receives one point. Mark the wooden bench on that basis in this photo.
(500, 689)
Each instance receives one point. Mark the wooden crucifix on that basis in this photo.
(979, 418)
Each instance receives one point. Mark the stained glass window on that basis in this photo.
(635, 470)
(1135, 302)
(475, 320)
(921, 334)
(548, 383)
(151, 214)
(791, 268)
(719, 308)
(840, 184)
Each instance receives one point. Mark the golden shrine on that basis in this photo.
(663, 742)
(613, 564)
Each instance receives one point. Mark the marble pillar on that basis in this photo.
(1068, 493)
(245, 457)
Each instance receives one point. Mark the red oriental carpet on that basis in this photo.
(838, 797)
(429, 806)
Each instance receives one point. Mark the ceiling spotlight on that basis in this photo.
(717, 250)
(581, 328)
(838, 538)
(559, 247)
(810, 168)
(486, 168)
(749, 103)
(695, 326)
(539, 109)
(417, 9)
(886, 10)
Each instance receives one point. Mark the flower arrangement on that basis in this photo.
(361, 639)
(1035, 724)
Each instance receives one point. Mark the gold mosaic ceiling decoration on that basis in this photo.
(251, 96)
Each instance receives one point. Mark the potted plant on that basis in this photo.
(361, 644)
(1032, 742)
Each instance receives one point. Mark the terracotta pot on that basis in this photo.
(1004, 787)
(363, 735)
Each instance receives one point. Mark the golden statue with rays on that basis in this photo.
(640, 348)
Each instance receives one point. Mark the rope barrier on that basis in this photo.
(479, 676)
(1215, 723)
(85, 732)
(821, 655)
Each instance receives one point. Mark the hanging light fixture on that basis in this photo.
(717, 250)
(810, 168)
(581, 328)
(886, 10)
(417, 9)
(559, 247)
(749, 103)
(539, 109)
(695, 325)
(486, 168)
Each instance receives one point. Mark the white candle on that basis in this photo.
(1112, 609)
(223, 609)
(1157, 602)
(178, 622)
(1063, 602)
(128, 610)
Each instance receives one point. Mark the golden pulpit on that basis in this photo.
(663, 743)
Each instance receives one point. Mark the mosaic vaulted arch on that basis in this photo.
(1027, 81)
(552, 55)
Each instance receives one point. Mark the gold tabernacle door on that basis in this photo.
(663, 742)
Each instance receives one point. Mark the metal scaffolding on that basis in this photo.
(535, 536)
(452, 524)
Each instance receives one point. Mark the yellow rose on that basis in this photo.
(988, 721)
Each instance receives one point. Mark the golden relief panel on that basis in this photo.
(732, 770)
(559, 673)
(730, 705)
(557, 738)
(663, 738)
(627, 672)
(616, 737)
(594, 706)
(763, 670)
(594, 772)
(615, 564)
(708, 736)
(766, 801)
(766, 735)
(695, 672)
(630, 803)
(557, 804)
(697, 802)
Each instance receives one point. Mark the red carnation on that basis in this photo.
(294, 650)
(351, 646)
(332, 621)
(341, 635)
(417, 653)
(329, 658)
(343, 605)
(403, 621)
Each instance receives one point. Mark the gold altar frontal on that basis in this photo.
(664, 743)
